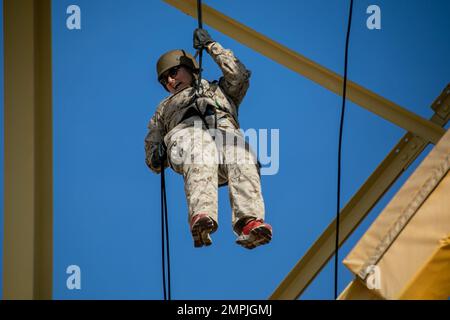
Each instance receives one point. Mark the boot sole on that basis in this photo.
(257, 237)
(201, 232)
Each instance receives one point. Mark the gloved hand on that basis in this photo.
(157, 161)
(201, 39)
(162, 151)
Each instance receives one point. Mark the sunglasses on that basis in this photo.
(172, 72)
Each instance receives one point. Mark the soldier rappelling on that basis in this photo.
(190, 132)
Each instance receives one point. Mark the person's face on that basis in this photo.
(177, 78)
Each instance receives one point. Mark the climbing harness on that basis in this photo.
(341, 127)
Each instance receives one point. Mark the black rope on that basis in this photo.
(200, 63)
(341, 127)
(163, 251)
(200, 52)
(166, 223)
(165, 245)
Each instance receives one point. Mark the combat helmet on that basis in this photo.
(175, 58)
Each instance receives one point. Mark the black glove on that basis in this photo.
(201, 39)
(162, 151)
(157, 161)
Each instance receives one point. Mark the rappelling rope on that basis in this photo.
(200, 52)
(165, 247)
(164, 214)
(341, 127)
(199, 90)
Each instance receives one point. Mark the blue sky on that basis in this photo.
(106, 201)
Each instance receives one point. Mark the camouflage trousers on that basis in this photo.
(206, 162)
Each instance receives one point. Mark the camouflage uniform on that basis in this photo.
(205, 158)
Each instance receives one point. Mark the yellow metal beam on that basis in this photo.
(421, 132)
(310, 265)
(313, 71)
(432, 281)
(398, 160)
(356, 290)
(27, 254)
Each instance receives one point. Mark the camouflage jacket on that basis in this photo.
(225, 95)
